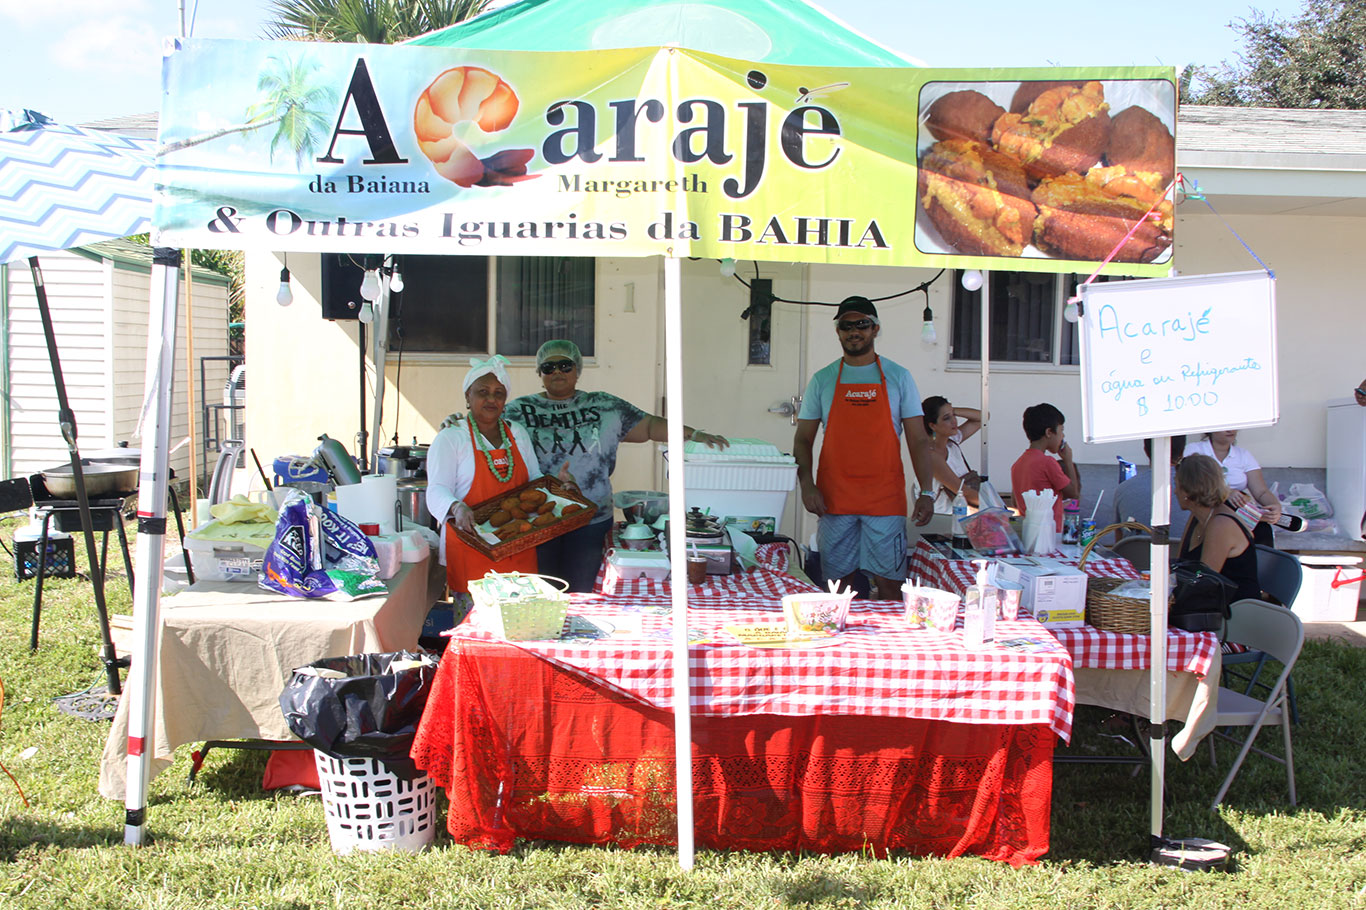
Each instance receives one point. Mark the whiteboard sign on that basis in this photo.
(1166, 356)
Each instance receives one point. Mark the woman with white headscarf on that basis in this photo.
(473, 461)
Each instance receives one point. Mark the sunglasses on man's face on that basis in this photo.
(856, 325)
(556, 366)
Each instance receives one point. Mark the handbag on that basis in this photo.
(1201, 602)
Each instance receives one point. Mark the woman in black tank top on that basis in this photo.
(1214, 536)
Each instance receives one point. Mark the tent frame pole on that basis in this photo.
(151, 548)
(1157, 669)
(678, 556)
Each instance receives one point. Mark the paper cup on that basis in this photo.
(943, 608)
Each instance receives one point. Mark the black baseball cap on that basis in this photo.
(861, 305)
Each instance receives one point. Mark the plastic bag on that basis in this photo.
(988, 498)
(1307, 501)
(318, 553)
(1039, 533)
(363, 706)
(989, 532)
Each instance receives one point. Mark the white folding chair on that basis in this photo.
(1262, 627)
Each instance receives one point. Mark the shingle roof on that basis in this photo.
(1271, 137)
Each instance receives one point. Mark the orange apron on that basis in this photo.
(464, 563)
(860, 472)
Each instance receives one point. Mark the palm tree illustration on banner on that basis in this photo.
(292, 100)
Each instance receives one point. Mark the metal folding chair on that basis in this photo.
(1136, 548)
(1275, 630)
(1280, 576)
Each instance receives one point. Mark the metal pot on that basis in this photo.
(100, 479)
(403, 461)
(412, 502)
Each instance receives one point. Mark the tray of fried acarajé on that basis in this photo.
(527, 516)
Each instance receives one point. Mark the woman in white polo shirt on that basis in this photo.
(1243, 475)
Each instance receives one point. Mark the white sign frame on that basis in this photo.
(1169, 356)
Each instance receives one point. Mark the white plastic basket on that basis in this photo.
(370, 809)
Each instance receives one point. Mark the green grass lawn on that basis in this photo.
(223, 842)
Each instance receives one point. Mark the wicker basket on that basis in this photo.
(1107, 611)
(536, 536)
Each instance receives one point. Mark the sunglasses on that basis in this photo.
(857, 325)
(556, 366)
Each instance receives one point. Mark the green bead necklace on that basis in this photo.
(488, 455)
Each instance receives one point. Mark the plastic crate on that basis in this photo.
(370, 809)
(217, 560)
(60, 561)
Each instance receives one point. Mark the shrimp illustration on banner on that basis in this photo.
(459, 96)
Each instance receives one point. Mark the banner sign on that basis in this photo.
(372, 148)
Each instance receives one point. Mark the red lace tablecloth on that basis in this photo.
(526, 748)
(1091, 648)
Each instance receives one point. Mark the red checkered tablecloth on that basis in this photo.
(880, 666)
(1188, 652)
(770, 580)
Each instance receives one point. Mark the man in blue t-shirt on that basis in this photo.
(859, 488)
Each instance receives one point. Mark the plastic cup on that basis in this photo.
(915, 605)
(943, 608)
(1008, 602)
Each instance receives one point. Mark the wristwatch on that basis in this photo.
(926, 495)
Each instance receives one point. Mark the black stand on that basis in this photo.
(66, 419)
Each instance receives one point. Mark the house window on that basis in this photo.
(446, 301)
(544, 297)
(1026, 320)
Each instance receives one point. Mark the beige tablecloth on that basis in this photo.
(1190, 699)
(227, 650)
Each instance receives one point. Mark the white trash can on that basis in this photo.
(369, 808)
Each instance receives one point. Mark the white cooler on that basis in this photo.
(1330, 589)
(750, 479)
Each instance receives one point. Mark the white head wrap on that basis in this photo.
(496, 365)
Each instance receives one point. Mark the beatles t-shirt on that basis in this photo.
(585, 431)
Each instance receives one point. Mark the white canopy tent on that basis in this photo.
(829, 170)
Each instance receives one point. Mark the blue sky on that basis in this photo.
(80, 60)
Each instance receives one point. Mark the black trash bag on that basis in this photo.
(372, 712)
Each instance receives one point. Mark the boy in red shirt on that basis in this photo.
(1036, 469)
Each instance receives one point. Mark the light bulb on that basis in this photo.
(727, 268)
(1071, 312)
(972, 280)
(928, 337)
(369, 286)
(284, 296)
(396, 282)
(367, 313)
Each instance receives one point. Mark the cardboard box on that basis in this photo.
(1054, 592)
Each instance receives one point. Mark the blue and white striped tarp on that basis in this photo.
(62, 186)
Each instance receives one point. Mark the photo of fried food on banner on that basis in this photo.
(1068, 170)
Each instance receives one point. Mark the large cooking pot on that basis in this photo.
(403, 461)
(100, 479)
(412, 502)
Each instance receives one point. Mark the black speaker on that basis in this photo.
(342, 275)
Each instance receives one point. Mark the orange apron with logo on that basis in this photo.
(860, 472)
(464, 563)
